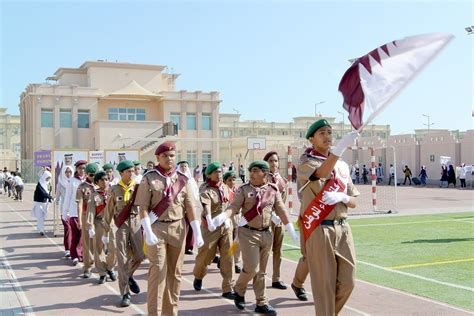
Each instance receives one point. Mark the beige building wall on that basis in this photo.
(96, 87)
(9, 140)
(467, 147)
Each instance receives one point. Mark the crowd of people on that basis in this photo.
(161, 213)
(12, 184)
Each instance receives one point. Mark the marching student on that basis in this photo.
(41, 199)
(229, 180)
(63, 203)
(74, 223)
(109, 170)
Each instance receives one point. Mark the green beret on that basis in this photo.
(108, 166)
(92, 168)
(229, 174)
(137, 162)
(124, 165)
(260, 164)
(315, 126)
(212, 167)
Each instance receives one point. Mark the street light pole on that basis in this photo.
(429, 124)
(316, 107)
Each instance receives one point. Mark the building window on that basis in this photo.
(206, 121)
(226, 133)
(191, 158)
(65, 118)
(206, 157)
(124, 114)
(191, 121)
(178, 156)
(432, 158)
(46, 118)
(176, 118)
(83, 119)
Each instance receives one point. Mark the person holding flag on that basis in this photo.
(326, 192)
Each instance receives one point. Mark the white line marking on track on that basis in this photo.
(135, 307)
(20, 294)
(409, 223)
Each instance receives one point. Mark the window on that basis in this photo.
(226, 133)
(124, 114)
(206, 121)
(15, 131)
(191, 158)
(83, 119)
(176, 118)
(65, 118)
(206, 157)
(46, 118)
(432, 158)
(191, 121)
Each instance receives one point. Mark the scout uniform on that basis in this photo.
(330, 252)
(256, 237)
(277, 228)
(166, 257)
(104, 263)
(214, 199)
(112, 247)
(129, 234)
(83, 195)
(235, 222)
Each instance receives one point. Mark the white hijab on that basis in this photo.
(44, 182)
(192, 183)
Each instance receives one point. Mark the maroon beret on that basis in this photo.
(269, 154)
(80, 162)
(166, 146)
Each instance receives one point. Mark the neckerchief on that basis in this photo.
(78, 178)
(167, 175)
(258, 196)
(315, 154)
(219, 187)
(100, 207)
(127, 189)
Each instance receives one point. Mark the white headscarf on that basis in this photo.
(192, 184)
(62, 177)
(43, 180)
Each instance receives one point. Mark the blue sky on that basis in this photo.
(270, 60)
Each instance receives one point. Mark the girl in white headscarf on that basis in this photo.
(42, 197)
(65, 202)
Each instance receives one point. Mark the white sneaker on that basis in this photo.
(75, 261)
(67, 254)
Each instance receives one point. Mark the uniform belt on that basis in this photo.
(169, 220)
(257, 229)
(330, 222)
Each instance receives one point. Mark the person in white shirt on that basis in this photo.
(41, 199)
(65, 203)
(19, 186)
(462, 175)
(75, 246)
(137, 172)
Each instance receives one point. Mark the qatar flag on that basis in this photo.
(373, 80)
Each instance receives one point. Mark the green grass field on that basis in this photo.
(427, 255)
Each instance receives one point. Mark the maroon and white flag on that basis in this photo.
(375, 79)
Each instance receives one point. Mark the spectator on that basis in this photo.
(365, 172)
(2, 180)
(150, 165)
(197, 173)
(392, 175)
(357, 173)
(293, 172)
(451, 176)
(462, 175)
(231, 166)
(204, 166)
(408, 175)
(41, 200)
(242, 173)
(423, 175)
(380, 173)
(444, 175)
(19, 186)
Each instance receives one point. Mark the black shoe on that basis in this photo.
(279, 285)
(87, 274)
(218, 262)
(126, 300)
(197, 284)
(265, 309)
(102, 279)
(229, 295)
(188, 252)
(237, 269)
(112, 275)
(133, 285)
(239, 301)
(300, 293)
(216, 259)
(41, 233)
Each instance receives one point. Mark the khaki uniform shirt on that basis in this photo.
(96, 199)
(84, 193)
(306, 168)
(211, 201)
(245, 199)
(151, 190)
(116, 204)
(281, 183)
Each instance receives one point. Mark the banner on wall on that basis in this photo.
(97, 156)
(114, 156)
(42, 158)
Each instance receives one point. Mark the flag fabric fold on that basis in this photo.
(375, 79)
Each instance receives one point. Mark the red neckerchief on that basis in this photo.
(89, 181)
(100, 208)
(219, 187)
(77, 177)
(167, 175)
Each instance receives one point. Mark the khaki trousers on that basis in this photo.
(331, 260)
(102, 261)
(301, 272)
(221, 237)
(166, 260)
(255, 247)
(129, 235)
(87, 244)
(237, 249)
(278, 234)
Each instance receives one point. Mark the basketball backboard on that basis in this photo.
(256, 143)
